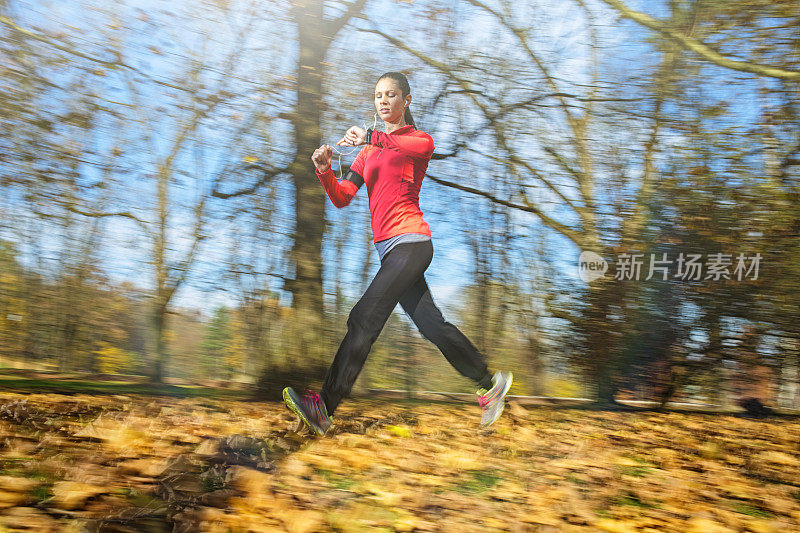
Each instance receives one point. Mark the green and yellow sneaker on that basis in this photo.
(493, 401)
(310, 408)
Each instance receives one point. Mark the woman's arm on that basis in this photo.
(419, 145)
(340, 192)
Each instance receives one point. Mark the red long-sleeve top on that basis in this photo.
(393, 166)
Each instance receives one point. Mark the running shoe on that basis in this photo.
(493, 401)
(310, 408)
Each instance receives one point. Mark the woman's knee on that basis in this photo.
(362, 328)
(358, 319)
(428, 318)
(434, 328)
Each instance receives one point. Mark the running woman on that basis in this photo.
(392, 164)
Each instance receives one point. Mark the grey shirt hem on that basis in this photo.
(385, 245)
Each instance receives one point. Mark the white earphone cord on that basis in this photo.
(341, 172)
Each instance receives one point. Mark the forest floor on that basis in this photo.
(71, 461)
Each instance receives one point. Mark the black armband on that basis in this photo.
(369, 136)
(355, 177)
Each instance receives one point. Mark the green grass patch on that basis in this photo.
(372, 515)
(478, 481)
(42, 492)
(748, 509)
(629, 498)
(137, 498)
(36, 385)
(24, 467)
(635, 471)
(14, 466)
(337, 481)
(212, 482)
(43, 475)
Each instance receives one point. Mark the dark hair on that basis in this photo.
(405, 88)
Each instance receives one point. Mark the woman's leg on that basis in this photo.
(400, 268)
(453, 344)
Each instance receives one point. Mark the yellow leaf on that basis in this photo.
(763, 526)
(779, 458)
(400, 431)
(614, 526)
(302, 521)
(545, 517)
(568, 464)
(248, 480)
(710, 450)
(17, 484)
(357, 458)
(72, 495)
(460, 460)
(494, 523)
(296, 467)
(145, 467)
(320, 461)
(704, 525)
(12, 499)
(384, 497)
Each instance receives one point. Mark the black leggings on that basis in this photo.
(400, 279)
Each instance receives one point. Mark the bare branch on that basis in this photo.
(110, 64)
(528, 167)
(579, 176)
(578, 125)
(265, 177)
(568, 232)
(520, 35)
(94, 214)
(353, 10)
(700, 48)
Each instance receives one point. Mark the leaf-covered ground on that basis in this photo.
(128, 463)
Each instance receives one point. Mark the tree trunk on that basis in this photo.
(306, 287)
(600, 340)
(534, 356)
(156, 371)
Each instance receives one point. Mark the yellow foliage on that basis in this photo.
(73, 494)
(563, 388)
(236, 354)
(561, 479)
(111, 359)
(400, 431)
(614, 526)
(13, 319)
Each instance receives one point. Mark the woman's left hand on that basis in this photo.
(355, 136)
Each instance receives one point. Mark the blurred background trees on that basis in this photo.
(160, 214)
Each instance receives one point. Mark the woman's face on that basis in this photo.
(389, 101)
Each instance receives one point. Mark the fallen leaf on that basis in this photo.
(73, 495)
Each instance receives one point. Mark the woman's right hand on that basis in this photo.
(322, 157)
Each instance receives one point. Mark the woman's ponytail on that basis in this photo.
(408, 118)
